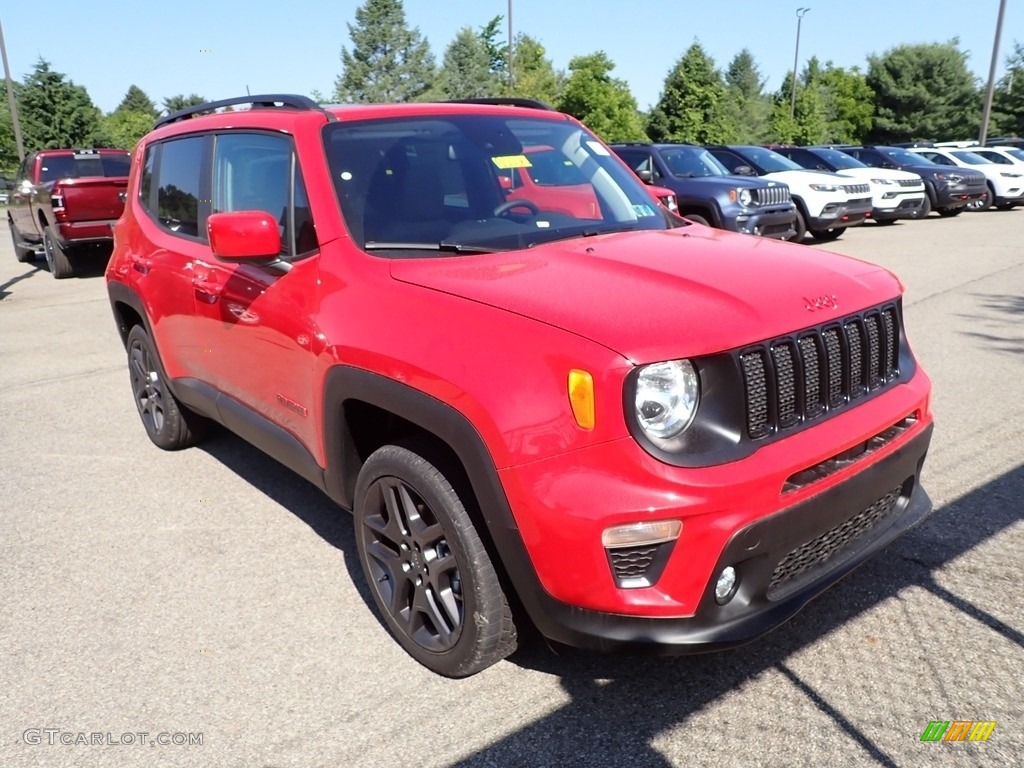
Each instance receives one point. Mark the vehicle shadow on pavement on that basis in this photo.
(1006, 304)
(34, 269)
(620, 703)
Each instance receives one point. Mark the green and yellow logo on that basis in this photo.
(958, 730)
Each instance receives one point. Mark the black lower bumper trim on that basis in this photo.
(755, 552)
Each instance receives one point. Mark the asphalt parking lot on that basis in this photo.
(212, 592)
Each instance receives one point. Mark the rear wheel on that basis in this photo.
(1006, 206)
(56, 256)
(21, 253)
(948, 213)
(169, 424)
(827, 235)
(430, 575)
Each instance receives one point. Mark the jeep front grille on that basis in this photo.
(857, 189)
(797, 378)
(819, 550)
(909, 182)
(765, 196)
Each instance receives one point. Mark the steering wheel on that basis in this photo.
(511, 205)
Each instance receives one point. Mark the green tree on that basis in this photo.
(466, 72)
(602, 102)
(1008, 99)
(809, 124)
(181, 101)
(497, 52)
(746, 106)
(923, 91)
(57, 113)
(849, 104)
(389, 60)
(691, 107)
(126, 126)
(535, 75)
(136, 100)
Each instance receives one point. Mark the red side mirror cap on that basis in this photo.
(243, 235)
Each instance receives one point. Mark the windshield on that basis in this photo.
(767, 160)
(479, 183)
(692, 161)
(971, 158)
(840, 160)
(82, 165)
(905, 157)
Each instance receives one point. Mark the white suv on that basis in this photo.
(826, 203)
(894, 194)
(1005, 183)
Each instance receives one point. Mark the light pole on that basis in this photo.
(987, 112)
(796, 57)
(511, 78)
(10, 99)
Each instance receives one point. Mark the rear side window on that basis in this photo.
(179, 179)
(146, 182)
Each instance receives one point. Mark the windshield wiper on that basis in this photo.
(586, 232)
(387, 245)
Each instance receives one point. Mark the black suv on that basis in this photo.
(708, 194)
(949, 190)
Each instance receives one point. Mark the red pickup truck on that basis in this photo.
(64, 201)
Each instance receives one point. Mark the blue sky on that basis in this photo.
(295, 46)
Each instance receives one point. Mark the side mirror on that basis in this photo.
(244, 236)
(744, 170)
(645, 175)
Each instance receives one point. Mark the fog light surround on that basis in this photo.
(725, 587)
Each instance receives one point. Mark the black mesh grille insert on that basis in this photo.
(817, 551)
(790, 380)
(632, 562)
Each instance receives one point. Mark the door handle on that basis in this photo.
(206, 291)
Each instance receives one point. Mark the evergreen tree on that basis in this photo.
(746, 106)
(136, 100)
(467, 69)
(56, 113)
(849, 104)
(389, 61)
(602, 102)
(923, 91)
(1008, 99)
(691, 107)
(535, 75)
(181, 101)
(808, 125)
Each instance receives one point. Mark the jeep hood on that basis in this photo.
(659, 295)
(804, 178)
(866, 174)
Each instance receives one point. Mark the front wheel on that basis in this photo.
(430, 575)
(697, 219)
(982, 203)
(1006, 206)
(800, 227)
(948, 213)
(827, 235)
(21, 253)
(57, 257)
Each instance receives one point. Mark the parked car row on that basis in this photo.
(787, 192)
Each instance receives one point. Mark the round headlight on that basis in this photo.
(666, 398)
(744, 197)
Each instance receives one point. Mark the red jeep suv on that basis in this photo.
(625, 428)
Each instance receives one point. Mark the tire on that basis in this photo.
(56, 256)
(1006, 206)
(430, 575)
(169, 424)
(948, 213)
(21, 253)
(827, 235)
(885, 222)
(926, 208)
(982, 203)
(696, 219)
(800, 225)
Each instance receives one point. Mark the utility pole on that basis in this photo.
(796, 57)
(511, 77)
(987, 113)
(10, 99)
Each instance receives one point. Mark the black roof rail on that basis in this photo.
(505, 101)
(269, 100)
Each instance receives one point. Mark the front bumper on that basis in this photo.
(846, 214)
(958, 195)
(904, 208)
(775, 223)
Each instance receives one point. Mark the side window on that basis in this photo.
(179, 177)
(935, 157)
(728, 159)
(254, 172)
(146, 182)
(995, 157)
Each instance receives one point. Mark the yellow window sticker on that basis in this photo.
(511, 161)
